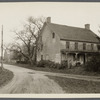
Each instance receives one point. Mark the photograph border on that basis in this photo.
(48, 96)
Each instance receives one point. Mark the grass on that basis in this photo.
(5, 76)
(77, 86)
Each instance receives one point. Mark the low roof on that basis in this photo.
(73, 33)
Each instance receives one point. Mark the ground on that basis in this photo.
(32, 81)
(29, 81)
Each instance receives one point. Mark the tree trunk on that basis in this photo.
(30, 61)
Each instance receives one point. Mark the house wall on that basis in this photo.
(70, 57)
(51, 47)
(80, 46)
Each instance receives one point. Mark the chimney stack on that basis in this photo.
(87, 26)
(48, 20)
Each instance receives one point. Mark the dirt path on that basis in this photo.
(29, 81)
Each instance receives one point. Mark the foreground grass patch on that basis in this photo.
(77, 86)
(5, 76)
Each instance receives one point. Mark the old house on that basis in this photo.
(61, 42)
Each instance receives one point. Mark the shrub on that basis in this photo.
(22, 62)
(41, 63)
(51, 64)
(78, 64)
(64, 64)
(57, 65)
(93, 64)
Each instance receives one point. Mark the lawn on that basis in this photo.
(5, 76)
(77, 86)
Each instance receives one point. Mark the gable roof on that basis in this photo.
(73, 33)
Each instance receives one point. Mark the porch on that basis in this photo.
(75, 58)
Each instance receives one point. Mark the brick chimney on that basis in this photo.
(48, 20)
(87, 26)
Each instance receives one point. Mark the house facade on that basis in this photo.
(65, 43)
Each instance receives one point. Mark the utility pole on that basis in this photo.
(2, 47)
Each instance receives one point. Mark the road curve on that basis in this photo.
(29, 81)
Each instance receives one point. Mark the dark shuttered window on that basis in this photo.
(98, 46)
(67, 45)
(53, 35)
(41, 57)
(76, 45)
(92, 46)
(84, 46)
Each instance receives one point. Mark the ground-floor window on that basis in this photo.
(41, 57)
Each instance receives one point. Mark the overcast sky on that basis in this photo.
(13, 15)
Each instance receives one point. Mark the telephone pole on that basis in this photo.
(2, 47)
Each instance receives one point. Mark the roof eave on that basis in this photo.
(79, 41)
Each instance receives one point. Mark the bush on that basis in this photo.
(41, 63)
(93, 64)
(22, 62)
(45, 63)
(64, 64)
(50, 64)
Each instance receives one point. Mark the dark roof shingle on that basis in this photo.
(73, 33)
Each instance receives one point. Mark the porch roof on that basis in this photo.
(77, 51)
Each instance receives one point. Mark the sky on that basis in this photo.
(13, 15)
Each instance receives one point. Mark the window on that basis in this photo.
(98, 46)
(41, 57)
(76, 45)
(67, 45)
(92, 46)
(41, 47)
(84, 46)
(53, 35)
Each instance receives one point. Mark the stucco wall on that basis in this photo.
(51, 47)
(80, 45)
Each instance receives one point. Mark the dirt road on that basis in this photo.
(29, 81)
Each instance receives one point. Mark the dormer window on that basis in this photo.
(53, 35)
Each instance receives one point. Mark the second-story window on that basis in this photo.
(67, 45)
(98, 46)
(53, 35)
(84, 46)
(92, 46)
(76, 45)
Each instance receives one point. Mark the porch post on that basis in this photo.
(66, 55)
(86, 59)
(67, 60)
(76, 57)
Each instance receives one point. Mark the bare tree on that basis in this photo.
(27, 39)
(37, 24)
